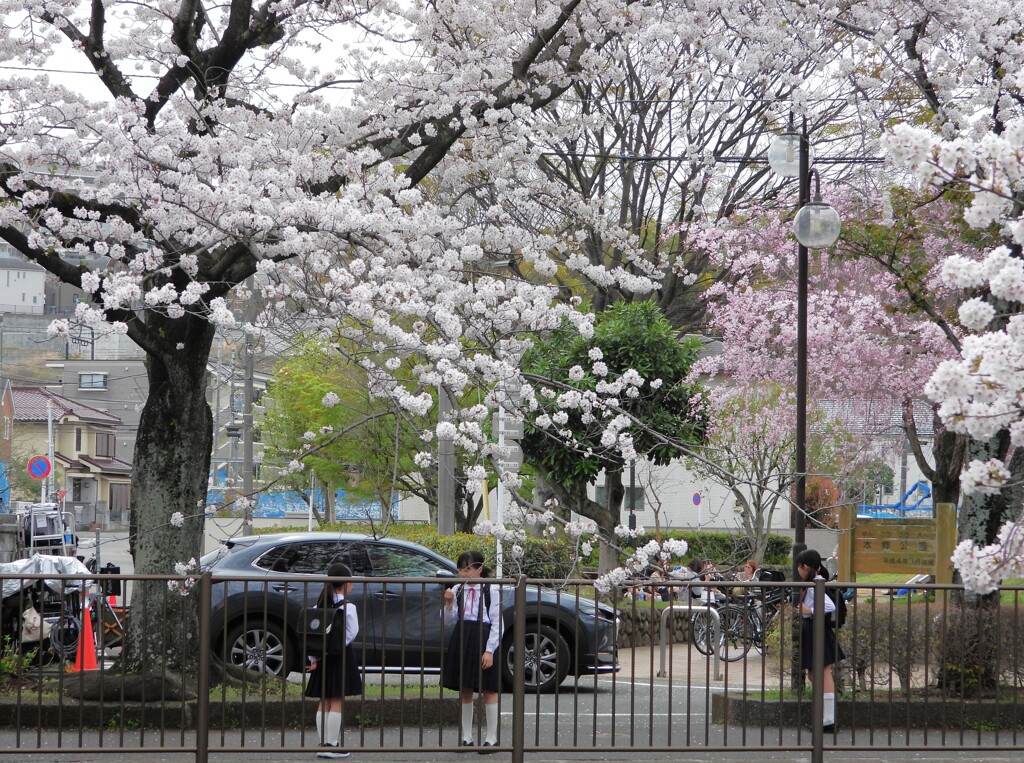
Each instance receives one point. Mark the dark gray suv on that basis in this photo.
(264, 583)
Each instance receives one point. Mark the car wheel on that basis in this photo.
(257, 646)
(546, 660)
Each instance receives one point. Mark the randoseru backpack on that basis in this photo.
(838, 596)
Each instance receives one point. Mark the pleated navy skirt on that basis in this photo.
(336, 675)
(833, 651)
(462, 659)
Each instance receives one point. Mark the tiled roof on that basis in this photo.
(107, 465)
(879, 417)
(30, 405)
(13, 263)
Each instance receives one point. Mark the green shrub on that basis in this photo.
(554, 557)
(722, 548)
(976, 647)
(885, 638)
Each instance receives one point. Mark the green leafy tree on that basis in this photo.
(635, 351)
(356, 442)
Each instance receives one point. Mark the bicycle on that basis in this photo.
(731, 642)
(749, 622)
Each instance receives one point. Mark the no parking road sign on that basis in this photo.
(39, 467)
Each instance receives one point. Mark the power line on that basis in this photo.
(44, 70)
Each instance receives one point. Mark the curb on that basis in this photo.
(294, 714)
(901, 712)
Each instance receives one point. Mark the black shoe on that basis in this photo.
(464, 743)
(332, 752)
(487, 752)
(830, 729)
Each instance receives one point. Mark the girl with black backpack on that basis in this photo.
(808, 568)
(336, 675)
(474, 616)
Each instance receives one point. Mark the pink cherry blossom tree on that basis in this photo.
(877, 318)
(749, 449)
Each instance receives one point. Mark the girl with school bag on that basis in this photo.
(335, 675)
(472, 614)
(810, 568)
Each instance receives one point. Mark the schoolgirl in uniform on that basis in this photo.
(808, 568)
(335, 673)
(472, 614)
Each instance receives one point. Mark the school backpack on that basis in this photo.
(839, 597)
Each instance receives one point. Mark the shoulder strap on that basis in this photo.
(485, 599)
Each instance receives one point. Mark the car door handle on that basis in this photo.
(387, 595)
(284, 587)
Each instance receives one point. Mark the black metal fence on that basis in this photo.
(647, 671)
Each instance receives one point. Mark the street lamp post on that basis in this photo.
(632, 494)
(816, 226)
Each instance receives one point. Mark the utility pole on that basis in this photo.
(247, 459)
(445, 468)
(48, 482)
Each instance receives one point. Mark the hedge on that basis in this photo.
(552, 558)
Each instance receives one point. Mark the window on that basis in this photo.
(401, 563)
(599, 497)
(78, 439)
(7, 427)
(105, 445)
(92, 381)
(314, 557)
(120, 499)
(76, 489)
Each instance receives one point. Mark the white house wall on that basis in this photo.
(669, 493)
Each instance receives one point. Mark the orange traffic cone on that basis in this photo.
(86, 657)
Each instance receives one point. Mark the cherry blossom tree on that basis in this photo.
(878, 319)
(965, 61)
(213, 146)
(749, 449)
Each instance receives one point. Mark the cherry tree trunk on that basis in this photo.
(171, 467)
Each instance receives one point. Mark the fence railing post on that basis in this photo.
(818, 674)
(203, 680)
(519, 673)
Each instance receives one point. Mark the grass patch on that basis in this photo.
(287, 690)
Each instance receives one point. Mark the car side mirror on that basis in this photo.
(447, 577)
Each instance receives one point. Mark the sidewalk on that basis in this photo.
(684, 665)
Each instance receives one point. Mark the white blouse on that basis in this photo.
(471, 608)
(351, 619)
(808, 600)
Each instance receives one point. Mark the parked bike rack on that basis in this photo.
(716, 634)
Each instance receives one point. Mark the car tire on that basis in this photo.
(257, 646)
(547, 659)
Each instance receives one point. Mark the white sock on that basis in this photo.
(320, 727)
(334, 728)
(492, 723)
(467, 722)
(830, 709)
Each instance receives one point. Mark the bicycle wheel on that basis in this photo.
(701, 629)
(737, 633)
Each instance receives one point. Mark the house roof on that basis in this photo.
(111, 467)
(30, 405)
(13, 263)
(880, 417)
